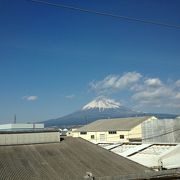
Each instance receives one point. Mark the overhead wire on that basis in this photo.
(113, 16)
(161, 134)
(106, 14)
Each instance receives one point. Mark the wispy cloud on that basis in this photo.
(114, 83)
(70, 96)
(141, 91)
(153, 82)
(177, 96)
(177, 83)
(30, 98)
(153, 92)
(153, 96)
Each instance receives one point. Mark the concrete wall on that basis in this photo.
(29, 138)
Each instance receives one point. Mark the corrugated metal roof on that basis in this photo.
(68, 160)
(121, 124)
(150, 155)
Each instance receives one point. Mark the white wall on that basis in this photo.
(29, 138)
(161, 130)
(171, 159)
(107, 137)
(5, 126)
(21, 126)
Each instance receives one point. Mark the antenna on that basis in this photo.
(15, 119)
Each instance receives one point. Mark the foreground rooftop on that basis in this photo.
(68, 160)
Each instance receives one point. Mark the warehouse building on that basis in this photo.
(155, 156)
(113, 130)
(13, 134)
(71, 159)
(28, 137)
(21, 127)
(161, 130)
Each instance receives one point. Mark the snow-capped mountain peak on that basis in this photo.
(102, 103)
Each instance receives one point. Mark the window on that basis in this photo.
(121, 136)
(83, 133)
(112, 132)
(92, 136)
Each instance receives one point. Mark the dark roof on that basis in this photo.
(121, 124)
(68, 160)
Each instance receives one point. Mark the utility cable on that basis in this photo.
(106, 14)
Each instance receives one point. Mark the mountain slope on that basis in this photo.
(100, 108)
(102, 104)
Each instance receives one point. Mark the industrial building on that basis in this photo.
(155, 156)
(29, 137)
(13, 134)
(21, 127)
(113, 130)
(70, 159)
(161, 131)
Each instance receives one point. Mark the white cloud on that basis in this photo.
(140, 91)
(128, 79)
(30, 98)
(153, 82)
(177, 96)
(161, 95)
(113, 83)
(177, 83)
(152, 96)
(70, 96)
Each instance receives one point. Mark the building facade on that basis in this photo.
(21, 127)
(113, 130)
(161, 130)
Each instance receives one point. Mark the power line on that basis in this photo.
(166, 130)
(161, 134)
(106, 14)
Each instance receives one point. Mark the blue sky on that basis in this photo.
(53, 61)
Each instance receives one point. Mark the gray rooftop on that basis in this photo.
(121, 124)
(68, 160)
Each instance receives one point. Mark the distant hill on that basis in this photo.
(100, 108)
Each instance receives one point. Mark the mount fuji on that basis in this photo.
(100, 108)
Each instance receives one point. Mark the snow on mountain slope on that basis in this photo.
(101, 104)
(100, 108)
